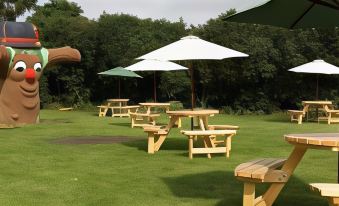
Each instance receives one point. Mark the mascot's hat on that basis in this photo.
(19, 35)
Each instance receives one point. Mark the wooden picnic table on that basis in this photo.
(201, 115)
(150, 105)
(117, 101)
(314, 104)
(118, 107)
(301, 142)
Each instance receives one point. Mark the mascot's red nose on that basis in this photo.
(30, 73)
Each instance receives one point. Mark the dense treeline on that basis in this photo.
(259, 83)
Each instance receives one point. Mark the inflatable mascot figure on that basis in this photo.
(20, 70)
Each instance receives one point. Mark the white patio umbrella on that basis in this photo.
(192, 48)
(155, 65)
(316, 67)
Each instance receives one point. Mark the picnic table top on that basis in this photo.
(320, 102)
(203, 112)
(323, 140)
(154, 104)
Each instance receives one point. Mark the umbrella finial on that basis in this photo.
(318, 61)
(190, 37)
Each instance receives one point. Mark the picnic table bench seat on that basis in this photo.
(221, 126)
(330, 191)
(156, 136)
(142, 119)
(259, 171)
(210, 142)
(66, 109)
(123, 111)
(102, 110)
(332, 115)
(297, 115)
(130, 107)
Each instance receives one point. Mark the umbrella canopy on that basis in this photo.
(120, 71)
(292, 13)
(316, 67)
(192, 48)
(155, 65)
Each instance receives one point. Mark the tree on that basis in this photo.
(10, 9)
(61, 24)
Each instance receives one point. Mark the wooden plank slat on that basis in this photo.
(208, 150)
(247, 172)
(260, 173)
(329, 140)
(246, 165)
(326, 189)
(225, 127)
(208, 132)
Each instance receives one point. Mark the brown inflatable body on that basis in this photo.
(19, 82)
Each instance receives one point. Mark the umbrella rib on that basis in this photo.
(302, 15)
(335, 4)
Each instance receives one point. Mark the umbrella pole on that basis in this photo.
(119, 87)
(155, 87)
(190, 67)
(317, 89)
(192, 86)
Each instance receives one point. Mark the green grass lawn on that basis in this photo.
(36, 171)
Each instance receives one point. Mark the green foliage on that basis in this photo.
(257, 84)
(10, 9)
(175, 86)
(61, 24)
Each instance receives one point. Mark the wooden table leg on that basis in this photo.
(171, 123)
(201, 123)
(207, 144)
(190, 147)
(292, 162)
(150, 148)
(249, 194)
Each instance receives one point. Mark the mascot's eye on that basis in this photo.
(37, 67)
(20, 66)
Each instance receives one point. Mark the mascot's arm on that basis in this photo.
(63, 54)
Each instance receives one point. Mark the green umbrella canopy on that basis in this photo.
(292, 14)
(120, 71)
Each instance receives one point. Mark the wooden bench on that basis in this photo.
(102, 110)
(222, 127)
(124, 110)
(210, 142)
(217, 127)
(259, 171)
(142, 119)
(330, 191)
(297, 115)
(156, 136)
(66, 109)
(332, 115)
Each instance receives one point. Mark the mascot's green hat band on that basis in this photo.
(42, 53)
